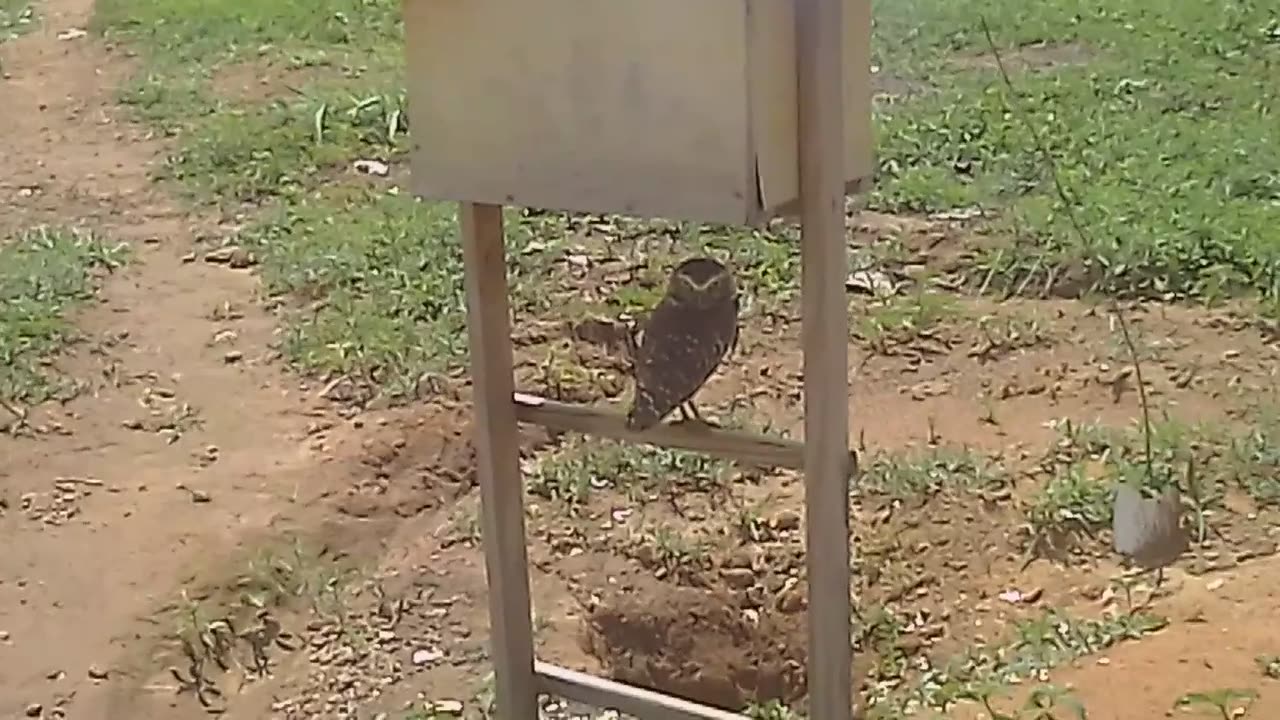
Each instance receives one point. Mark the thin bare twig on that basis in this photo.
(1069, 203)
(991, 273)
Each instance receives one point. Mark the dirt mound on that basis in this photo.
(416, 459)
(697, 644)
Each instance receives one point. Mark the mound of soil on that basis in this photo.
(697, 644)
(420, 459)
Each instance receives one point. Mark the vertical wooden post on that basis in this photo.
(825, 336)
(497, 446)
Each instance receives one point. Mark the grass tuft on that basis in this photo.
(574, 470)
(1207, 462)
(199, 34)
(375, 284)
(1038, 645)
(284, 148)
(44, 273)
(1162, 131)
(1158, 116)
(930, 472)
(16, 17)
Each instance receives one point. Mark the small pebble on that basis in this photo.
(422, 657)
(738, 577)
(787, 520)
(448, 707)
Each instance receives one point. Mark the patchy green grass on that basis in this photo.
(222, 630)
(984, 673)
(371, 281)
(339, 95)
(930, 472)
(1225, 703)
(1163, 131)
(345, 42)
(16, 18)
(44, 274)
(209, 33)
(1207, 462)
(1044, 702)
(1160, 122)
(1269, 666)
(375, 281)
(901, 318)
(583, 465)
(771, 710)
(283, 148)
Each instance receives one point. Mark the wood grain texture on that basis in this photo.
(744, 447)
(634, 701)
(824, 336)
(497, 444)
(773, 87)
(628, 106)
(658, 108)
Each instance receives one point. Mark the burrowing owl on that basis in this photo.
(683, 341)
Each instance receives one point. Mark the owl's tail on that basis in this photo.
(643, 414)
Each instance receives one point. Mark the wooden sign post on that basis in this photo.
(825, 340)
(629, 107)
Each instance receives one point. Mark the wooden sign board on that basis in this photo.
(656, 108)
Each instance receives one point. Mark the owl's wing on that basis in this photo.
(632, 338)
(679, 347)
(649, 353)
(664, 340)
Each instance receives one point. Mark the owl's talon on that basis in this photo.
(689, 415)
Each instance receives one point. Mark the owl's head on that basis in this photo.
(701, 282)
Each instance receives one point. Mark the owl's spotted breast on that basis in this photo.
(685, 339)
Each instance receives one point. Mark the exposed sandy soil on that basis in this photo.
(196, 464)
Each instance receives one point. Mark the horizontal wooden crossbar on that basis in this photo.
(637, 702)
(745, 447)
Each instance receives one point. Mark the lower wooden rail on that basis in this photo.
(634, 701)
(738, 445)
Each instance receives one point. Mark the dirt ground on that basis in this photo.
(198, 471)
